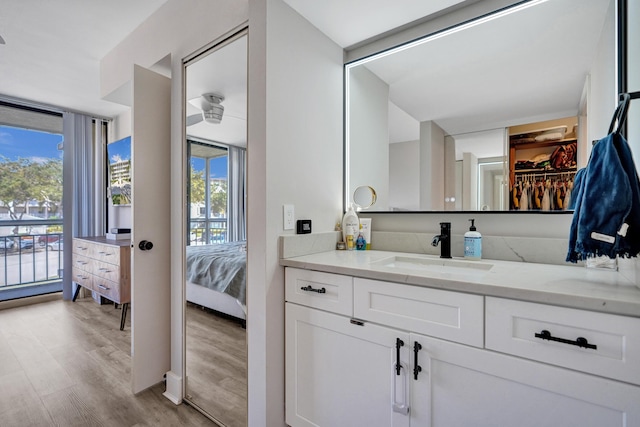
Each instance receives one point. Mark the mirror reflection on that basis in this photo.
(215, 312)
(469, 118)
(364, 197)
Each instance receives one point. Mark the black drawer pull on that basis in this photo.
(580, 341)
(311, 289)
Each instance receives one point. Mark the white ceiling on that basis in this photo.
(53, 48)
(527, 65)
(223, 71)
(353, 21)
(53, 51)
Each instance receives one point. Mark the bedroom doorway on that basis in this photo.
(215, 307)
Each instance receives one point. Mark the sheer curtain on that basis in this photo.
(237, 203)
(84, 186)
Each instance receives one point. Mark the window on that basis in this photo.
(31, 213)
(208, 193)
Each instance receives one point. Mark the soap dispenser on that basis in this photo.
(472, 243)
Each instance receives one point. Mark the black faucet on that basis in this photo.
(445, 239)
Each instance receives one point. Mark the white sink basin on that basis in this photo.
(443, 265)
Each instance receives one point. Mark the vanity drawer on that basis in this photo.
(452, 316)
(512, 326)
(326, 291)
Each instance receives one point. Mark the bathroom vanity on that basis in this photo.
(379, 338)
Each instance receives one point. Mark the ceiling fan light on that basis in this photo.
(213, 114)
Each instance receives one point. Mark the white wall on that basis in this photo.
(294, 156)
(404, 176)
(604, 85)
(178, 28)
(369, 134)
(431, 166)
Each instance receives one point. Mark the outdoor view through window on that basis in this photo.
(30, 205)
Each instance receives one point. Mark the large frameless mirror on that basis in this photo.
(463, 119)
(215, 111)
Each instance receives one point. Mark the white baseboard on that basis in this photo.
(174, 388)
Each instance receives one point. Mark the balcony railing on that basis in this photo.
(32, 256)
(207, 231)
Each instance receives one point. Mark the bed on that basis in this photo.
(216, 277)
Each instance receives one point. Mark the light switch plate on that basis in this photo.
(288, 216)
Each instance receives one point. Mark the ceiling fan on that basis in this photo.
(211, 109)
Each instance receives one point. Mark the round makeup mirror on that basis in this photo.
(364, 197)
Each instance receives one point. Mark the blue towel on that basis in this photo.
(606, 217)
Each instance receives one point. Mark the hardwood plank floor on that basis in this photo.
(217, 365)
(68, 364)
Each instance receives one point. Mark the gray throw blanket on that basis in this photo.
(221, 267)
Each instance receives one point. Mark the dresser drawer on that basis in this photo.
(81, 247)
(108, 289)
(452, 316)
(550, 334)
(106, 270)
(82, 262)
(82, 278)
(326, 291)
(105, 253)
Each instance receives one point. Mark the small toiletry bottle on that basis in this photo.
(361, 243)
(350, 220)
(366, 231)
(472, 243)
(350, 238)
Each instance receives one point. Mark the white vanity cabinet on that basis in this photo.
(340, 372)
(454, 370)
(461, 386)
(343, 374)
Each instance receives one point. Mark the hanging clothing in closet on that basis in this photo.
(542, 191)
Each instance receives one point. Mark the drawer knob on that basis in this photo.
(580, 341)
(310, 288)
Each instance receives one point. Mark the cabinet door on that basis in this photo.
(343, 374)
(465, 386)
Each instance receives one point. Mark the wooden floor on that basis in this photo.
(68, 364)
(217, 365)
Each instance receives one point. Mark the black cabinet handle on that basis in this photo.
(399, 343)
(309, 288)
(416, 368)
(580, 341)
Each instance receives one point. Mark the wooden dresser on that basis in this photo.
(103, 266)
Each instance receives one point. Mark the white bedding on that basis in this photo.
(216, 277)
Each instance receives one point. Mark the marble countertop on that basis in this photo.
(570, 286)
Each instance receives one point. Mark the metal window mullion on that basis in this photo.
(207, 200)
